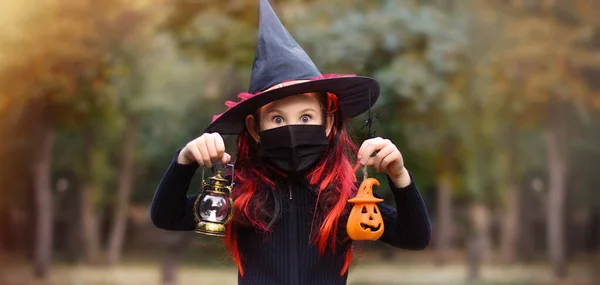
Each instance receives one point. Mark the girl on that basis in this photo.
(294, 170)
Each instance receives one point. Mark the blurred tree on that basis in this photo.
(132, 49)
(547, 48)
(55, 75)
(78, 83)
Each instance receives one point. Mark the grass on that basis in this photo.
(365, 274)
(406, 270)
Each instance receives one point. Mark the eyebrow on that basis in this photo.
(275, 110)
(307, 110)
(272, 110)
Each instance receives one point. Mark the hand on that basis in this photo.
(206, 150)
(388, 159)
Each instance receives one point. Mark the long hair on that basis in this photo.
(254, 199)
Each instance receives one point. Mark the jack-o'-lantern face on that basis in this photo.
(365, 221)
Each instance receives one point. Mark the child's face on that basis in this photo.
(293, 110)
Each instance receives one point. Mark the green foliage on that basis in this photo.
(464, 84)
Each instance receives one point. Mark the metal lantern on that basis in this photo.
(213, 208)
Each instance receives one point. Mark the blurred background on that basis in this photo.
(494, 105)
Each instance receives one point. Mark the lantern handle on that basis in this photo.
(232, 173)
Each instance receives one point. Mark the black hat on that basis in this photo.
(282, 68)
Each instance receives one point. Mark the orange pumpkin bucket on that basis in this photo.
(365, 221)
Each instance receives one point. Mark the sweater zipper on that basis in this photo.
(293, 249)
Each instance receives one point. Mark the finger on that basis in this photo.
(366, 143)
(383, 148)
(196, 154)
(389, 159)
(373, 161)
(372, 147)
(211, 147)
(201, 143)
(383, 153)
(187, 154)
(226, 158)
(220, 145)
(370, 161)
(361, 151)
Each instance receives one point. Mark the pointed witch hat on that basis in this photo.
(282, 68)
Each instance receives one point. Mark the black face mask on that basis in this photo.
(293, 148)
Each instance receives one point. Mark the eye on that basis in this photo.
(277, 120)
(305, 118)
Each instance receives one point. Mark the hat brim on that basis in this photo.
(353, 98)
(365, 199)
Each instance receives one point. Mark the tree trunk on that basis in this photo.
(43, 198)
(4, 224)
(476, 244)
(73, 248)
(89, 225)
(510, 225)
(444, 219)
(117, 232)
(529, 208)
(511, 217)
(556, 151)
(593, 261)
(481, 219)
(174, 249)
(474, 258)
(88, 216)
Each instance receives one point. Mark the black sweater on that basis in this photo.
(285, 256)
